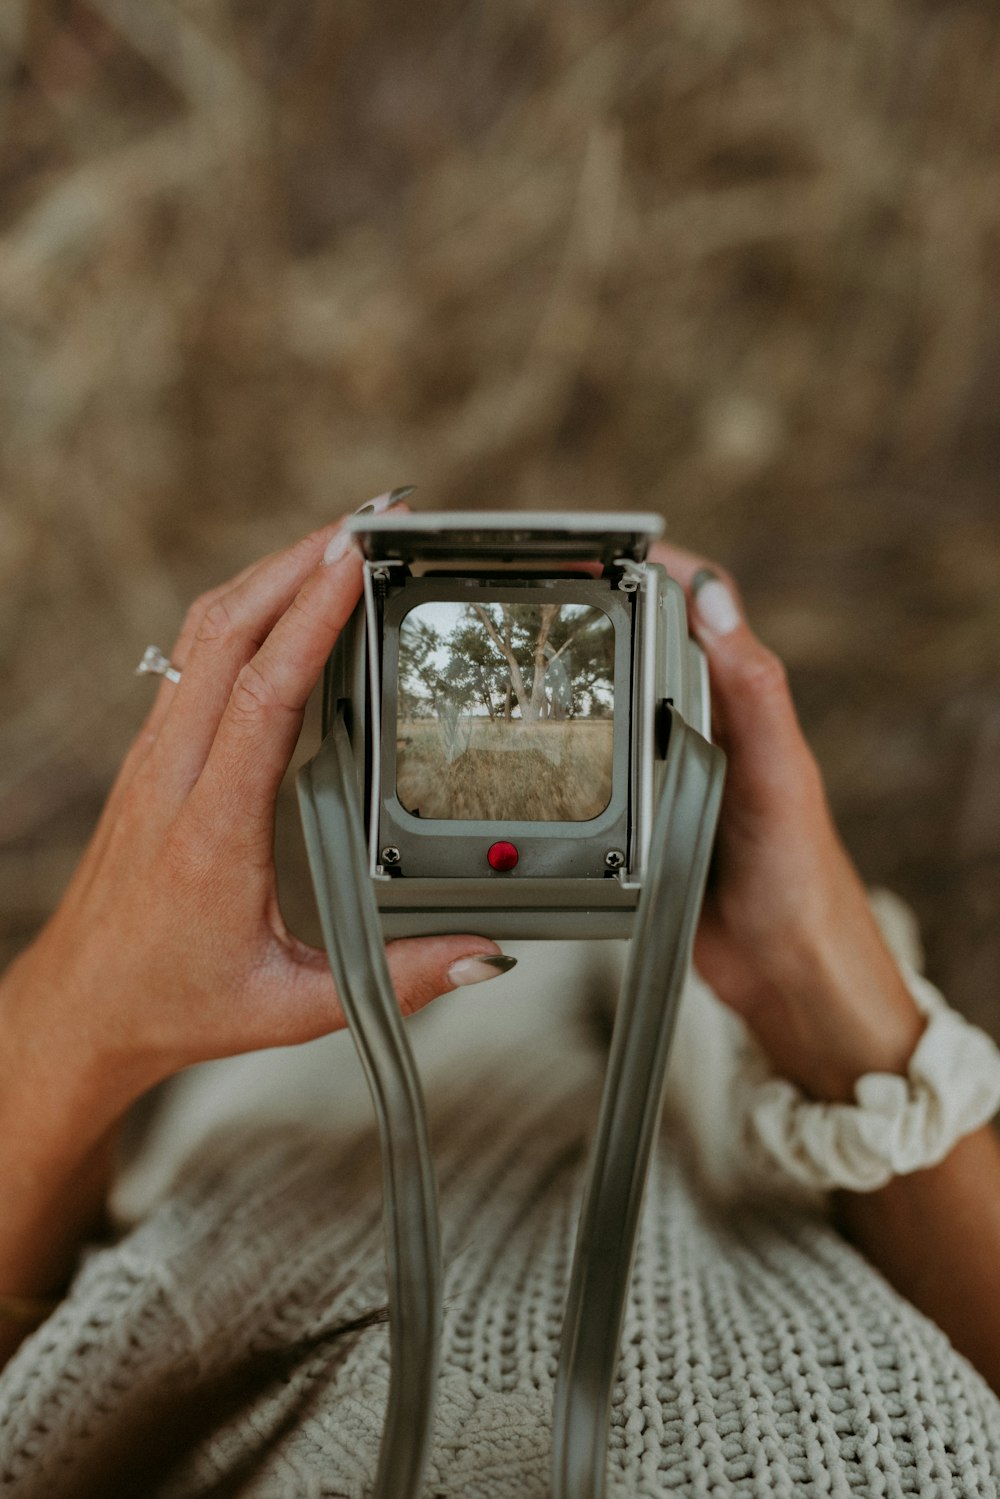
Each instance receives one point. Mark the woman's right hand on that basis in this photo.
(788, 940)
(787, 937)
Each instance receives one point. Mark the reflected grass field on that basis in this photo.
(543, 772)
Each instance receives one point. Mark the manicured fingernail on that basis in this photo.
(478, 969)
(714, 604)
(341, 544)
(385, 501)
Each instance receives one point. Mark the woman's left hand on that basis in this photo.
(169, 947)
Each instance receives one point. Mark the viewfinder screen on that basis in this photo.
(505, 711)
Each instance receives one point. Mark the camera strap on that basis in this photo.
(659, 958)
(658, 962)
(331, 820)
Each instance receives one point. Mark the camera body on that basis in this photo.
(509, 685)
(515, 742)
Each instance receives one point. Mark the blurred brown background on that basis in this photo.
(732, 260)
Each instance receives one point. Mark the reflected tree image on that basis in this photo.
(505, 710)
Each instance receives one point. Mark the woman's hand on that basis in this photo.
(787, 938)
(168, 947)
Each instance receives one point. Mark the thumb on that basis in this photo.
(421, 968)
(305, 1004)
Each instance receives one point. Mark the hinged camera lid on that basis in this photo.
(540, 536)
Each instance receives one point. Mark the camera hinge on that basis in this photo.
(381, 574)
(627, 575)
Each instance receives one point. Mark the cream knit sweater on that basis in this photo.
(761, 1355)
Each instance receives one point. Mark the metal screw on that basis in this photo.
(390, 855)
(614, 858)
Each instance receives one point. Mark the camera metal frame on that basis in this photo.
(439, 883)
(674, 788)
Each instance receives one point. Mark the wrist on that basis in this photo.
(893, 1126)
(58, 1136)
(61, 1091)
(834, 1011)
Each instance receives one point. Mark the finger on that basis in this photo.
(255, 577)
(143, 743)
(300, 1008)
(215, 644)
(684, 565)
(167, 692)
(753, 715)
(261, 722)
(170, 781)
(225, 638)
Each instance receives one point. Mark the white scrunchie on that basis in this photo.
(898, 1124)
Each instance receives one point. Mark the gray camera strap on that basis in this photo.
(331, 819)
(659, 957)
(630, 1108)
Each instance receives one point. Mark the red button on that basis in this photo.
(502, 856)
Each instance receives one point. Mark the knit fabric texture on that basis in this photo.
(761, 1356)
(233, 1341)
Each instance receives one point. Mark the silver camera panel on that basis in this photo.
(504, 537)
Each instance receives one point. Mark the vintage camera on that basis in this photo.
(509, 690)
(515, 742)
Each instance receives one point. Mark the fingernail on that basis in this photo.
(714, 602)
(341, 544)
(385, 501)
(478, 969)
